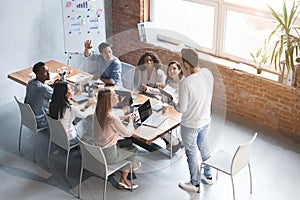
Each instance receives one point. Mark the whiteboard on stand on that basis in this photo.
(83, 20)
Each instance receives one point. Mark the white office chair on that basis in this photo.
(58, 136)
(28, 119)
(231, 165)
(93, 160)
(128, 75)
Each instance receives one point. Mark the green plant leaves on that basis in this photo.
(288, 43)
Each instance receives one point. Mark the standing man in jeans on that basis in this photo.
(194, 102)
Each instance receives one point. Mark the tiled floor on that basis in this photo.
(275, 165)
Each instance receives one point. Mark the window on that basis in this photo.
(226, 28)
(193, 20)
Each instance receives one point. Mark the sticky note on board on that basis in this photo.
(99, 11)
(68, 4)
(83, 20)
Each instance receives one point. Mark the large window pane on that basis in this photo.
(245, 33)
(194, 20)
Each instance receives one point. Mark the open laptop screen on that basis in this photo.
(125, 98)
(145, 110)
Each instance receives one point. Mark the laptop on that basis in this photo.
(148, 117)
(125, 98)
(80, 98)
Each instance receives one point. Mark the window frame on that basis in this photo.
(219, 28)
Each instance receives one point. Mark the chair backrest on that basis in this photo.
(241, 156)
(93, 159)
(58, 134)
(128, 75)
(27, 115)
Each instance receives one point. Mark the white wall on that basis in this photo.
(31, 31)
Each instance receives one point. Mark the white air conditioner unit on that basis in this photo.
(147, 32)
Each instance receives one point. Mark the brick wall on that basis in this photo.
(126, 14)
(246, 95)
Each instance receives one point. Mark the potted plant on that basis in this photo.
(287, 45)
(260, 57)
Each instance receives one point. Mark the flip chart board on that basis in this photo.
(82, 20)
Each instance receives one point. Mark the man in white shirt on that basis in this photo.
(194, 102)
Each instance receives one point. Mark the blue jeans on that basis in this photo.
(194, 139)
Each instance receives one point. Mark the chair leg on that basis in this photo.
(250, 174)
(131, 177)
(105, 185)
(80, 179)
(34, 156)
(171, 149)
(67, 163)
(232, 187)
(20, 133)
(49, 149)
(201, 166)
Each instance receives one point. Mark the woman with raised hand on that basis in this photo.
(108, 128)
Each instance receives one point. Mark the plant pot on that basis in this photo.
(259, 70)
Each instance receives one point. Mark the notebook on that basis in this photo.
(125, 99)
(80, 98)
(148, 117)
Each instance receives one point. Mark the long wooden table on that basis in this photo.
(23, 76)
(144, 134)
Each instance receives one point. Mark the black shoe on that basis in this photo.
(133, 176)
(176, 147)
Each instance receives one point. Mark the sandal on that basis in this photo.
(122, 186)
(138, 165)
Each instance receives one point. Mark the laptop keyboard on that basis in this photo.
(154, 120)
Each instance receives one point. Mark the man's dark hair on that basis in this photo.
(36, 68)
(102, 46)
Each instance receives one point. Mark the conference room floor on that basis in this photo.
(275, 162)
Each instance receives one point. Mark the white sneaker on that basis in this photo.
(208, 181)
(188, 187)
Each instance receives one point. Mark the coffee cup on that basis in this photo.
(165, 107)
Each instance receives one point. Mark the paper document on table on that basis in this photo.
(157, 107)
(169, 92)
(80, 77)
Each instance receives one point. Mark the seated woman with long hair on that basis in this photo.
(107, 129)
(61, 109)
